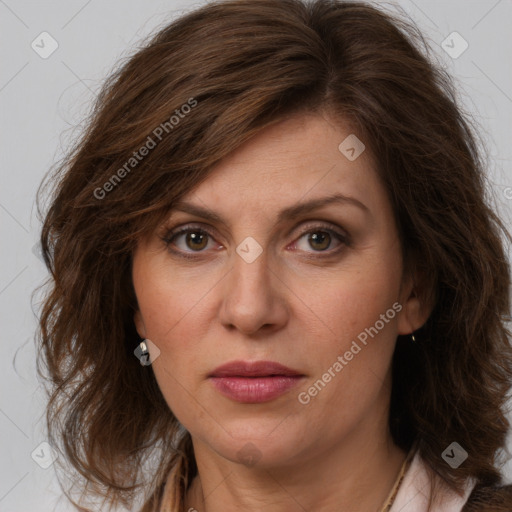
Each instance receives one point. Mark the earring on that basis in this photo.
(413, 338)
(142, 353)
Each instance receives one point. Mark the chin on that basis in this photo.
(256, 444)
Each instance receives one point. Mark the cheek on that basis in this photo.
(354, 300)
(167, 300)
(351, 365)
(358, 311)
(167, 304)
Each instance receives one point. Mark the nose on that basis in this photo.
(254, 298)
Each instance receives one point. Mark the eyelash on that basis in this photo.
(172, 234)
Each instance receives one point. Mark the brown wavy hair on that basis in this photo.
(248, 64)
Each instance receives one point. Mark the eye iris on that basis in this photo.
(316, 238)
(196, 238)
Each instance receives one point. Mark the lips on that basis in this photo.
(254, 382)
(254, 369)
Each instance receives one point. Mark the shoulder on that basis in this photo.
(489, 499)
(416, 489)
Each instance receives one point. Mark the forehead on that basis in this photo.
(301, 158)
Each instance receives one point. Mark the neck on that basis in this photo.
(356, 475)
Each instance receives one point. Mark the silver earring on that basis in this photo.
(142, 353)
(413, 338)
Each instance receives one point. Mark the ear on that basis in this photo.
(416, 301)
(139, 324)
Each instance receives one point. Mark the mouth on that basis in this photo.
(254, 382)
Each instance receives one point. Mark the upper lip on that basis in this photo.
(253, 369)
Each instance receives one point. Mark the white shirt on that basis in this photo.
(413, 493)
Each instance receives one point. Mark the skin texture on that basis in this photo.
(299, 303)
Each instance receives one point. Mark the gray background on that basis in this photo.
(43, 102)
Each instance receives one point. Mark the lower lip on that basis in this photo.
(253, 390)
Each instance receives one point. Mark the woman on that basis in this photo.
(277, 284)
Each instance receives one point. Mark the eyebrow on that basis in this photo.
(286, 214)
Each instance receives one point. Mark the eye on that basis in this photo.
(321, 238)
(188, 239)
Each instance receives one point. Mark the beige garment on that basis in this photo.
(414, 492)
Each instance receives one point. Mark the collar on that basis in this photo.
(414, 492)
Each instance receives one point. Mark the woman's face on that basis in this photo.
(273, 278)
